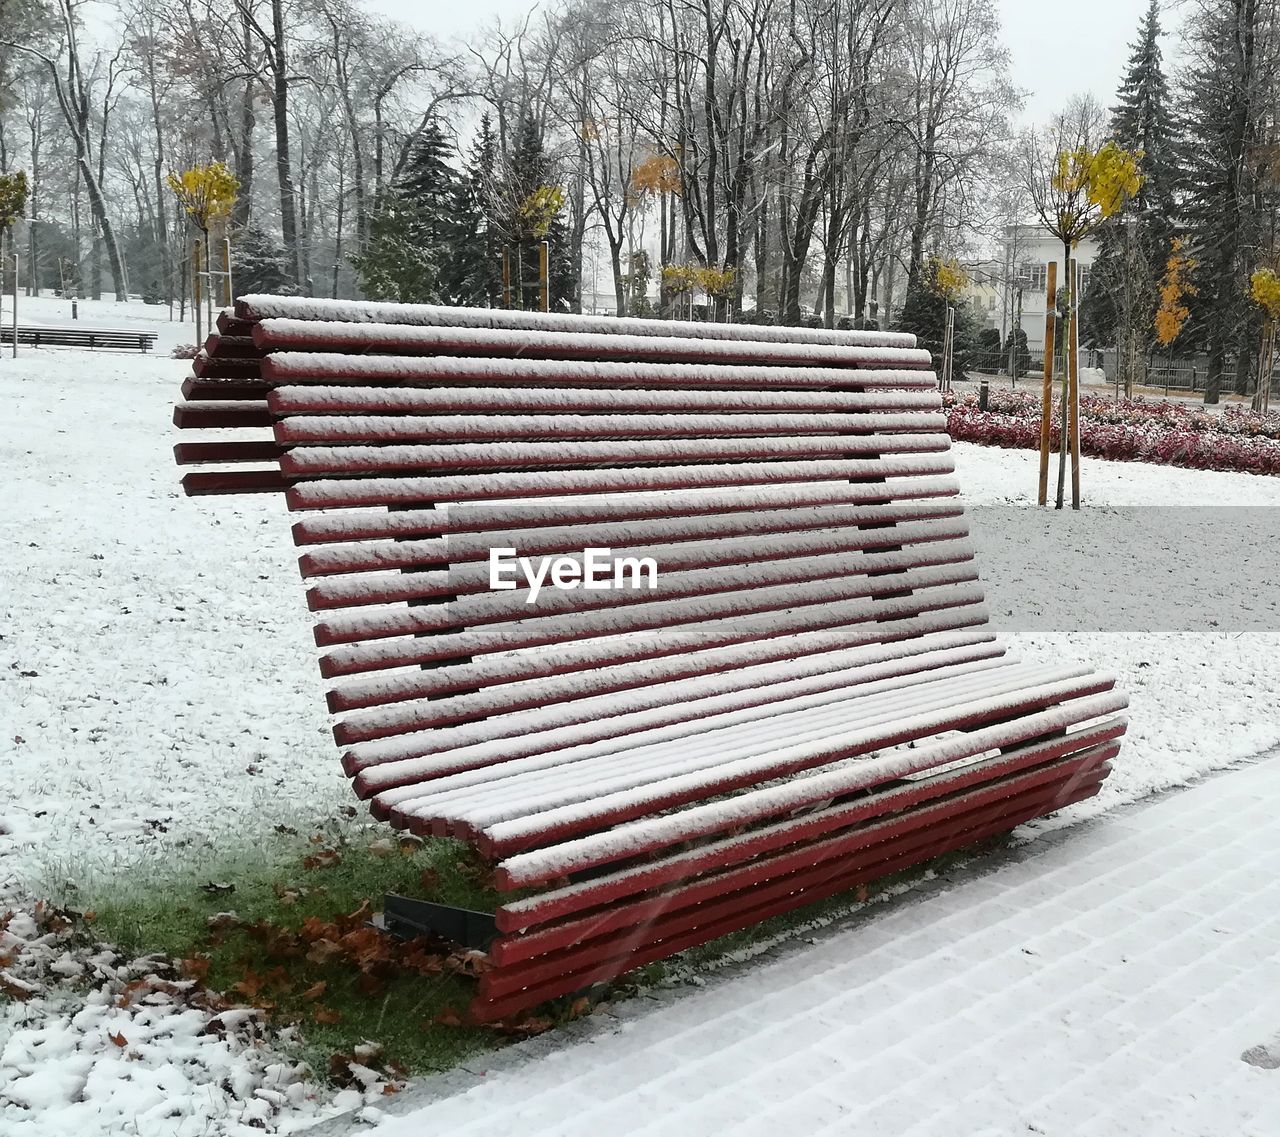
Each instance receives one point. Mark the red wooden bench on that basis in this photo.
(810, 697)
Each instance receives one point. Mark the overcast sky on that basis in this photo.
(1093, 35)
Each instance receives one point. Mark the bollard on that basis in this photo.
(984, 394)
(75, 313)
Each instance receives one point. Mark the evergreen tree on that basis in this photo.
(471, 275)
(924, 314)
(527, 206)
(1118, 307)
(411, 229)
(259, 264)
(1142, 121)
(1224, 107)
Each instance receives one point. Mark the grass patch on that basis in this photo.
(283, 926)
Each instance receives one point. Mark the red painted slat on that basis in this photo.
(409, 430)
(234, 481)
(758, 874)
(473, 518)
(230, 325)
(552, 397)
(557, 904)
(556, 827)
(224, 389)
(343, 493)
(378, 655)
(231, 347)
(373, 461)
(207, 368)
(211, 415)
(505, 684)
(289, 335)
(668, 937)
(196, 453)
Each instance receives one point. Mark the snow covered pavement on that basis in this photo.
(1118, 980)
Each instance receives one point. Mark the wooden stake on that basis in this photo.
(1073, 348)
(1046, 391)
(196, 301)
(544, 277)
(506, 277)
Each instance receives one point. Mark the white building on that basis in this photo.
(1028, 252)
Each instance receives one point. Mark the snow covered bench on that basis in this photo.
(809, 697)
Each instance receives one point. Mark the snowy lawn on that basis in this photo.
(160, 711)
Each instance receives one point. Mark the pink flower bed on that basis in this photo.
(1128, 430)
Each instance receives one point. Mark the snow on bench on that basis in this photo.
(804, 697)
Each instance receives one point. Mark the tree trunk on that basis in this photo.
(284, 172)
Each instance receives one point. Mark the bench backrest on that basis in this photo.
(795, 497)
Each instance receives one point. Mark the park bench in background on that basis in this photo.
(79, 337)
(811, 698)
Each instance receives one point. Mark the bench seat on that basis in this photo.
(807, 697)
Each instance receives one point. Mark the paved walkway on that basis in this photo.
(1107, 983)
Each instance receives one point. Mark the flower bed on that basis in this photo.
(1128, 430)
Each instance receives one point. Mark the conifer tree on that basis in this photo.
(1119, 307)
(1224, 105)
(528, 207)
(411, 229)
(472, 274)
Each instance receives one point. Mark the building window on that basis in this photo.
(1034, 277)
(1084, 278)
(991, 303)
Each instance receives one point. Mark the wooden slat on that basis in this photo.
(370, 461)
(310, 308)
(655, 538)
(222, 346)
(929, 837)
(225, 389)
(638, 507)
(564, 767)
(198, 453)
(663, 704)
(503, 684)
(612, 399)
(285, 335)
(996, 778)
(211, 415)
(347, 493)
(230, 325)
(703, 611)
(207, 368)
(655, 873)
(561, 825)
(233, 482)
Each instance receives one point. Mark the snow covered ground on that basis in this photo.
(158, 694)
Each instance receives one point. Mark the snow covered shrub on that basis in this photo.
(184, 351)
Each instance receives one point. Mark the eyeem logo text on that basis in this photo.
(598, 570)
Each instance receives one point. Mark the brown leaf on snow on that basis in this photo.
(137, 987)
(118, 1040)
